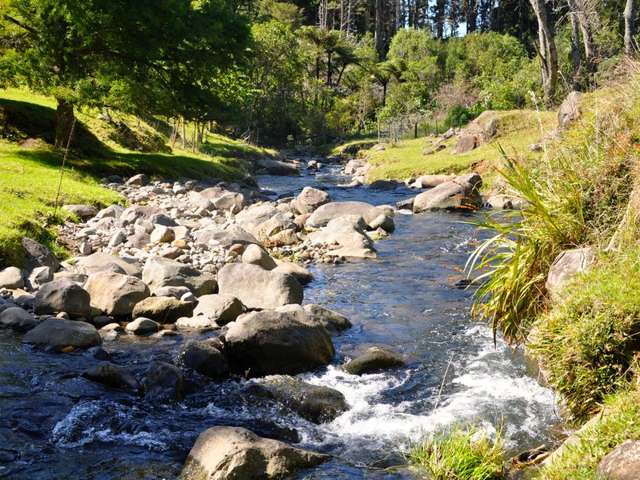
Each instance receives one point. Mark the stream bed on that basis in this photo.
(56, 425)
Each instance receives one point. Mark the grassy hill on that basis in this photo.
(517, 130)
(30, 167)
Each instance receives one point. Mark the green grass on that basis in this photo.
(617, 422)
(28, 186)
(518, 129)
(29, 174)
(460, 454)
(588, 343)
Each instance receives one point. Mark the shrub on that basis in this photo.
(461, 454)
(587, 344)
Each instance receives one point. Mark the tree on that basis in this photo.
(75, 50)
(547, 50)
(629, 28)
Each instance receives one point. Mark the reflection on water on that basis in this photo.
(57, 425)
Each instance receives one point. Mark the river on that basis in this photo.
(56, 425)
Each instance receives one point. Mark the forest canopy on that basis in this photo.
(310, 71)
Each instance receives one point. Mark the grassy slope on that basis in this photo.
(518, 129)
(29, 176)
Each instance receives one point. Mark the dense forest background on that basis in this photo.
(309, 71)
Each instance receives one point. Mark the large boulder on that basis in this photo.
(622, 463)
(112, 376)
(206, 358)
(103, 262)
(374, 359)
(332, 321)
(115, 294)
(302, 274)
(83, 212)
(162, 309)
(569, 111)
(256, 255)
(347, 234)
(163, 383)
(431, 181)
(327, 212)
(276, 342)
(60, 334)
(466, 143)
(259, 288)
(37, 255)
(63, 296)
(225, 453)
(11, 278)
(219, 309)
(310, 199)
(276, 167)
(225, 236)
(317, 404)
(565, 267)
(161, 272)
(461, 193)
(17, 319)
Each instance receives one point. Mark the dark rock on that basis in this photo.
(163, 383)
(206, 358)
(113, 376)
(62, 296)
(17, 319)
(38, 255)
(59, 334)
(374, 360)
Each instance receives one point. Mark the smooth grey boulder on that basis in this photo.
(225, 236)
(327, 212)
(318, 404)
(622, 463)
(254, 215)
(256, 255)
(17, 319)
(63, 296)
(310, 199)
(115, 294)
(258, 288)
(113, 376)
(163, 383)
(277, 167)
(374, 359)
(466, 143)
(162, 309)
(569, 110)
(273, 342)
(225, 453)
(302, 274)
(11, 278)
(218, 309)
(59, 334)
(345, 232)
(565, 267)
(206, 358)
(431, 181)
(103, 262)
(461, 193)
(142, 326)
(83, 212)
(39, 276)
(176, 292)
(161, 272)
(332, 321)
(37, 255)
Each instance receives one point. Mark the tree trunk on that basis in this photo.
(384, 93)
(576, 57)
(547, 48)
(629, 28)
(329, 68)
(579, 11)
(472, 15)
(64, 122)
(379, 33)
(440, 18)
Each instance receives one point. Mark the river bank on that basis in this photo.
(406, 300)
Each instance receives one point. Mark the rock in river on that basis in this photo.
(115, 294)
(373, 360)
(276, 342)
(62, 296)
(163, 309)
(460, 193)
(58, 334)
(225, 453)
(163, 383)
(17, 319)
(113, 376)
(315, 403)
(259, 288)
(327, 212)
(206, 358)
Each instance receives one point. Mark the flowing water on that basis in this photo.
(56, 425)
